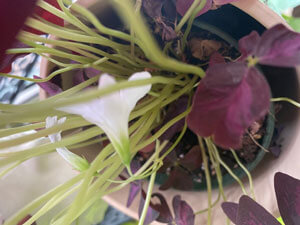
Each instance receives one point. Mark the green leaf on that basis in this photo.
(93, 215)
(293, 22)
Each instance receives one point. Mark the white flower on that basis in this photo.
(74, 160)
(111, 112)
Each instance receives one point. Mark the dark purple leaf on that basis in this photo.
(179, 179)
(279, 46)
(231, 210)
(248, 44)
(287, 191)
(193, 159)
(78, 76)
(251, 213)
(175, 109)
(216, 58)
(227, 101)
(168, 33)
(49, 87)
(184, 214)
(12, 18)
(153, 7)
(91, 72)
(165, 215)
(182, 6)
(135, 188)
(151, 213)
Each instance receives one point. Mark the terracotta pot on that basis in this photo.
(289, 118)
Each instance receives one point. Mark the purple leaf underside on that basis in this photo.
(231, 210)
(287, 191)
(251, 213)
(184, 214)
(227, 101)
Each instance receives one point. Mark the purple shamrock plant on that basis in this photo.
(160, 212)
(234, 95)
(248, 212)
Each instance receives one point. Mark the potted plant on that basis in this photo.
(124, 117)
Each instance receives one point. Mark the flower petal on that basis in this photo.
(12, 17)
(251, 213)
(52, 121)
(287, 191)
(74, 160)
(134, 94)
(227, 101)
(111, 112)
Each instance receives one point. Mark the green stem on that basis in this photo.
(149, 46)
(148, 198)
(213, 205)
(229, 171)
(208, 179)
(216, 165)
(187, 15)
(28, 209)
(246, 171)
(283, 99)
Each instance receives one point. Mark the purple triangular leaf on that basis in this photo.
(231, 210)
(287, 191)
(179, 179)
(227, 101)
(248, 44)
(91, 72)
(251, 213)
(135, 188)
(49, 87)
(152, 214)
(165, 215)
(184, 214)
(153, 7)
(175, 109)
(193, 159)
(279, 46)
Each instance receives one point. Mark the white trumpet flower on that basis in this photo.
(74, 160)
(111, 112)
